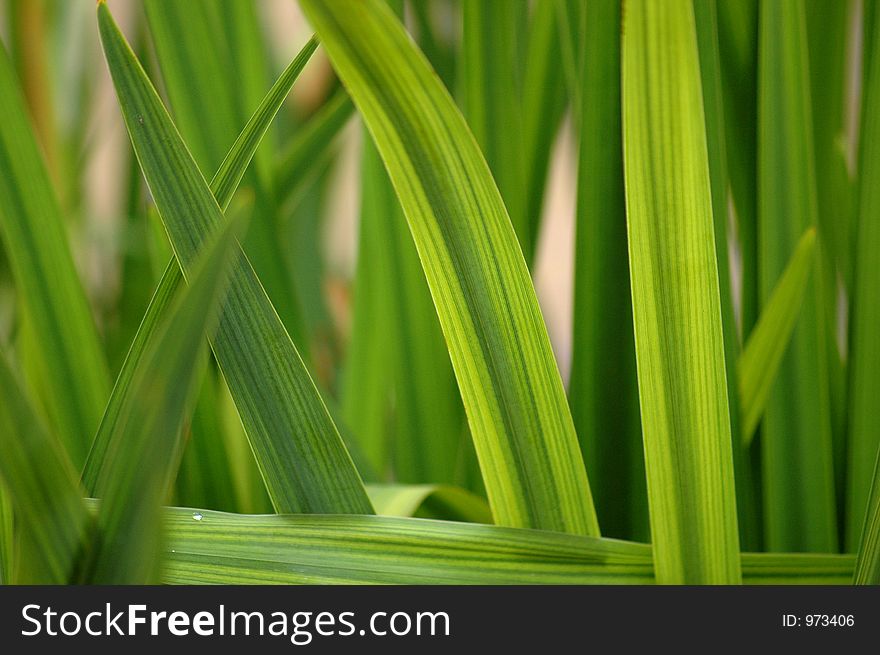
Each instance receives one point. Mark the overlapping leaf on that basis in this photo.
(296, 444)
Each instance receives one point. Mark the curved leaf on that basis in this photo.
(440, 501)
(498, 343)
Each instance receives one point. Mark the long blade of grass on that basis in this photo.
(145, 444)
(7, 537)
(492, 36)
(297, 446)
(603, 394)
(706, 18)
(868, 564)
(738, 51)
(71, 371)
(864, 358)
(798, 475)
(310, 148)
(543, 106)
(436, 501)
(223, 186)
(233, 167)
(211, 62)
(413, 416)
(52, 524)
(676, 299)
(760, 360)
(228, 548)
(829, 26)
(507, 375)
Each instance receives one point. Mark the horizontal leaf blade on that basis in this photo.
(228, 548)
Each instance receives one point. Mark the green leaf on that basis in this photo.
(310, 148)
(52, 523)
(71, 371)
(830, 43)
(399, 388)
(604, 390)
(798, 476)
(236, 549)
(492, 36)
(868, 564)
(478, 278)
(738, 51)
(7, 537)
(760, 360)
(297, 446)
(212, 63)
(235, 163)
(706, 18)
(223, 186)
(440, 501)
(676, 299)
(543, 106)
(145, 443)
(864, 358)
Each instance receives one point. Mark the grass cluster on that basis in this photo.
(207, 422)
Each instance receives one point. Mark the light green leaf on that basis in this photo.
(297, 446)
(439, 501)
(796, 449)
(70, 369)
(52, 524)
(676, 300)
(229, 549)
(760, 360)
(145, 444)
(498, 343)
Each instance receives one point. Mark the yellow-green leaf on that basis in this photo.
(676, 301)
(480, 283)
